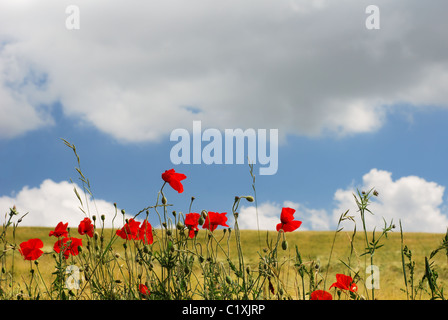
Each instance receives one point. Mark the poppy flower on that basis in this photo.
(191, 222)
(174, 179)
(30, 249)
(288, 223)
(321, 295)
(144, 291)
(68, 246)
(145, 233)
(86, 227)
(215, 219)
(130, 230)
(60, 230)
(345, 283)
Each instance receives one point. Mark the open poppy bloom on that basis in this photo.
(191, 222)
(321, 295)
(130, 230)
(68, 246)
(60, 230)
(144, 291)
(288, 224)
(86, 227)
(215, 219)
(345, 283)
(145, 233)
(30, 249)
(174, 179)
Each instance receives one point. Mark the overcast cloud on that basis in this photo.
(138, 70)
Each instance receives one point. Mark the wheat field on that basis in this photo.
(314, 247)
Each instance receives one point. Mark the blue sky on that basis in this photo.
(353, 107)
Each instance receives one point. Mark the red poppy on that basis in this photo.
(130, 230)
(86, 227)
(215, 219)
(191, 222)
(145, 233)
(143, 290)
(60, 230)
(174, 179)
(68, 246)
(30, 249)
(288, 223)
(321, 295)
(345, 283)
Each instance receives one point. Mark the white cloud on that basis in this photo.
(53, 202)
(413, 200)
(269, 216)
(134, 68)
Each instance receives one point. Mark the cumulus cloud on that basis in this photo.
(269, 216)
(413, 200)
(136, 70)
(53, 202)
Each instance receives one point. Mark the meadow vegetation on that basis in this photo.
(197, 255)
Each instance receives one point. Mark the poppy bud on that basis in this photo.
(180, 225)
(250, 198)
(163, 200)
(13, 211)
(123, 212)
(228, 279)
(284, 244)
(94, 217)
(103, 217)
(201, 220)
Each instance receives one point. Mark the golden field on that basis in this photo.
(314, 246)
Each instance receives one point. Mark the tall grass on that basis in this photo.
(201, 257)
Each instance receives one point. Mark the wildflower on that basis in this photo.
(174, 179)
(145, 233)
(215, 219)
(288, 223)
(345, 283)
(86, 227)
(68, 246)
(60, 230)
(192, 222)
(130, 230)
(30, 249)
(321, 295)
(144, 291)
